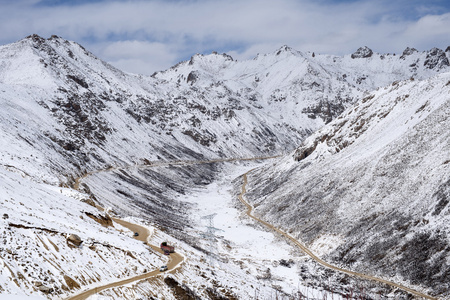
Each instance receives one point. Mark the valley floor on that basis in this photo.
(273, 265)
(231, 248)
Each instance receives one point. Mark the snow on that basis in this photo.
(66, 114)
(383, 181)
(41, 209)
(246, 241)
(19, 297)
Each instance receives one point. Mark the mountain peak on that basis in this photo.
(210, 57)
(35, 38)
(227, 56)
(362, 52)
(436, 58)
(409, 51)
(285, 49)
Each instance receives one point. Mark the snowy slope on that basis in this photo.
(66, 113)
(370, 190)
(211, 105)
(37, 218)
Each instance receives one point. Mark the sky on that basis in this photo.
(142, 37)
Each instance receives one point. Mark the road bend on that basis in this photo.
(315, 257)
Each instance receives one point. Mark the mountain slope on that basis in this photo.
(210, 105)
(375, 182)
(66, 113)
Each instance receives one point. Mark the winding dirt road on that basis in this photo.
(174, 260)
(315, 257)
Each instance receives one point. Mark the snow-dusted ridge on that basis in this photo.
(66, 113)
(377, 178)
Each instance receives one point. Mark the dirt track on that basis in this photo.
(316, 258)
(174, 260)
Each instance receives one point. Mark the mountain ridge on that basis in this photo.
(376, 178)
(66, 113)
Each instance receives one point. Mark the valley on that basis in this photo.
(346, 158)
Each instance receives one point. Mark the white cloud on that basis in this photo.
(152, 35)
(431, 30)
(138, 56)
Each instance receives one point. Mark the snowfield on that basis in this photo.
(365, 186)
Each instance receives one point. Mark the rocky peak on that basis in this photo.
(362, 52)
(36, 38)
(45, 47)
(285, 49)
(436, 59)
(55, 37)
(224, 55)
(408, 51)
(194, 58)
(210, 58)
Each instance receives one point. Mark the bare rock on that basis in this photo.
(88, 201)
(45, 289)
(104, 220)
(303, 152)
(192, 77)
(362, 52)
(37, 283)
(130, 254)
(436, 59)
(408, 51)
(74, 240)
(71, 283)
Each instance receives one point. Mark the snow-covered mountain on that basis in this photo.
(65, 113)
(81, 107)
(370, 190)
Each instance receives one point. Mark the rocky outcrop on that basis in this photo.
(71, 283)
(104, 220)
(303, 152)
(362, 52)
(436, 59)
(408, 51)
(43, 288)
(192, 77)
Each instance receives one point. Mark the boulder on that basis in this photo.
(74, 239)
(45, 289)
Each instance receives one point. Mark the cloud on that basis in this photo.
(429, 30)
(145, 36)
(139, 57)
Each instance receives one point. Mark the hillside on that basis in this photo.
(67, 114)
(370, 190)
